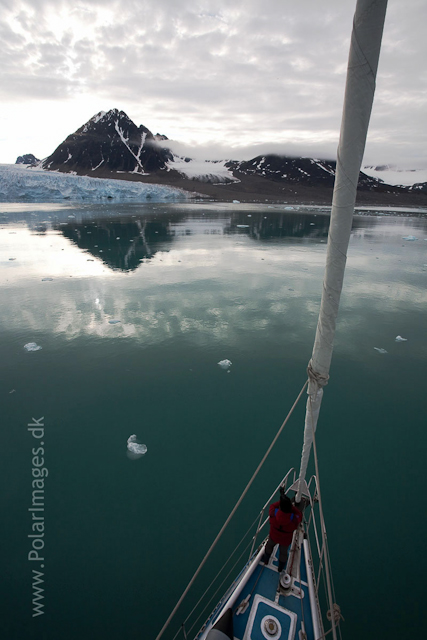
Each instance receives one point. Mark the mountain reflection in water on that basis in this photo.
(122, 243)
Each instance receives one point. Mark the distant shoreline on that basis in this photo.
(258, 190)
(253, 189)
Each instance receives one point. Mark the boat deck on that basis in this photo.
(269, 601)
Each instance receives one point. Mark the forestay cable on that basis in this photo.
(236, 506)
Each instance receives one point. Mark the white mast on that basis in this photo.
(364, 53)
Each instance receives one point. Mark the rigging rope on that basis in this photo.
(236, 506)
(220, 571)
(320, 379)
(327, 573)
(219, 587)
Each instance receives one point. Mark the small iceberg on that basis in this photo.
(225, 364)
(242, 226)
(134, 448)
(380, 350)
(236, 201)
(410, 238)
(32, 346)
(400, 339)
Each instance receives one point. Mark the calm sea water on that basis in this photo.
(192, 285)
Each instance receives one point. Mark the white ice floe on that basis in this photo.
(242, 226)
(19, 183)
(32, 346)
(135, 449)
(410, 238)
(225, 364)
(400, 339)
(380, 350)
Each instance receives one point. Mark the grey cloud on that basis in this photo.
(39, 87)
(241, 69)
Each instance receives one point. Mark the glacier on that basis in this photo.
(19, 183)
(397, 177)
(214, 171)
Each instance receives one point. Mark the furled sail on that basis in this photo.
(359, 95)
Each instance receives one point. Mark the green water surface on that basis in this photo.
(192, 285)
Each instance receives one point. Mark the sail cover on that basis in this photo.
(364, 54)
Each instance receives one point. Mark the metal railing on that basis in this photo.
(314, 531)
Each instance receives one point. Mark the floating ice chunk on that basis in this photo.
(400, 339)
(225, 364)
(32, 346)
(114, 321)
(135, 449)
(236, 201)
(242, 226)
(410, 238)
(380, 350)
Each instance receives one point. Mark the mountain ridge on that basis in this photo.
(111, 145)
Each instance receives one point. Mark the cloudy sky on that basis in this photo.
(226, 79)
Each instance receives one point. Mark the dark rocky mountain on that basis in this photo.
(419, 186)
(112, 142)
(301, 171)
(284, 169)
(27, 158)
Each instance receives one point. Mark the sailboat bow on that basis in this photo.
(299, 602)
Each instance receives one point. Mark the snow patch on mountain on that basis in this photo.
(20, 184)
(99, 116)
(204, 170)
(395, 176)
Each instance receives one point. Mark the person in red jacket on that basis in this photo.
(284, 519)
